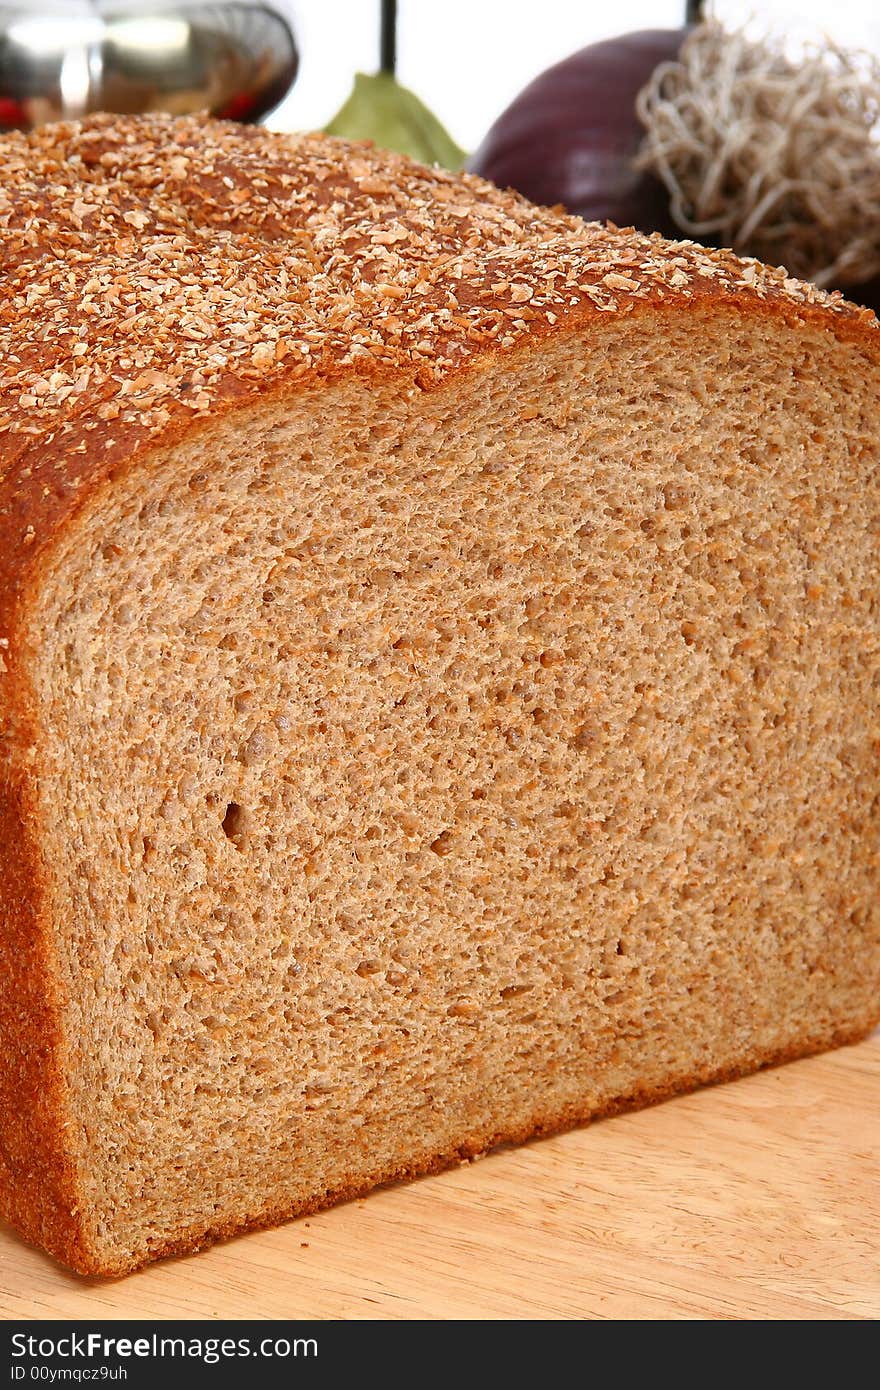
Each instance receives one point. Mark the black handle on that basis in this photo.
(388, 37)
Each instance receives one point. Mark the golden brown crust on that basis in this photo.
(37, 1179)
(473, 1146)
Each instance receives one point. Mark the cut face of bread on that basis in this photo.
(425, 770)
(439, 663)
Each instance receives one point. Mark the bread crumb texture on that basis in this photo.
(416, 757)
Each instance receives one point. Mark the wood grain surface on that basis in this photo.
(759, 1199)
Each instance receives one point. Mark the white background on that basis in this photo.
(468, 58)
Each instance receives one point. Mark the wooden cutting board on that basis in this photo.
(759, 1199)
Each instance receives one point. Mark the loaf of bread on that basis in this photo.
(439, 664)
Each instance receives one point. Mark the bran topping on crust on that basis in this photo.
(154, 267)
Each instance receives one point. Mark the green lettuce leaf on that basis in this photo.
(393, 117)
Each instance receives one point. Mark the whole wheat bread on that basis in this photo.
(439, 661)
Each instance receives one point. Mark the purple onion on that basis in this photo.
(570, 136)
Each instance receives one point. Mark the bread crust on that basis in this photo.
(469, 1148)
(38, 1191)
(60, 448)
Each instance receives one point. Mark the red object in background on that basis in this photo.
(570, 136)
(12, 114)
(240, 108)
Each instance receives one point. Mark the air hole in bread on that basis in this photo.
(235, 824)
